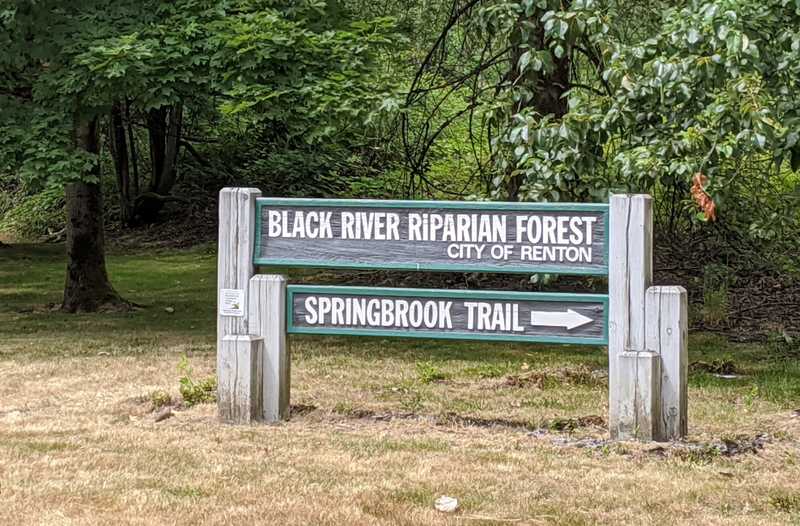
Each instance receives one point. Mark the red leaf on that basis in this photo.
(701, 197)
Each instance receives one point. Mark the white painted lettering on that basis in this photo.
(311, 306)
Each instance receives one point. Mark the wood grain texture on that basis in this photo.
(639, 385)
(239, 381)
(237, 221)
(267, 315)
(640, 265)
(630, 275)
(667, 335)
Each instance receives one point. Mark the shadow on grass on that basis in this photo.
(177, 290)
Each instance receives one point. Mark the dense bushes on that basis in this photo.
(32, 216)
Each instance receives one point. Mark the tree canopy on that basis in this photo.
(294, 65)
(691, 101)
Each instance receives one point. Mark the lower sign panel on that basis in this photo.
(454, 314)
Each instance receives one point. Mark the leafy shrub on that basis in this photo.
(195, 391)
(428, 372)
(29, 217)
(160, 399)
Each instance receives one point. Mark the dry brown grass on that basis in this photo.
(381, 436)
(382, 427)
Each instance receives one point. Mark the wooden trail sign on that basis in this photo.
(433, 235)
(643, 326)
(448, 314)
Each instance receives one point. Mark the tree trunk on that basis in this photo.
(169, 171)
(132, 142)
(164, 129)
(119, 152)
(156, 130)
(87, 288)
(548, 89)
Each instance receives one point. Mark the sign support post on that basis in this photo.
(647, 332)
(630, 369)
(667, 336)
(267, 315)
(239, 356)
(239, 371)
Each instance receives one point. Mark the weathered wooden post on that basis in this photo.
(647, 344)
(239, 378)
(267, 315)
(239, 355)
(667, 320)
(632, 371)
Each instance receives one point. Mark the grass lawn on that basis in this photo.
(380, 428)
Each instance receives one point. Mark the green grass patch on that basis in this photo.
(490, 370)
(31, 285)
(428, 372)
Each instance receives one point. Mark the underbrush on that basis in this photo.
(31, 217)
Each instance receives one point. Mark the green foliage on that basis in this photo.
(711, 87)
(311, 82)
(32, 216)
(160, 399)
(275, 68)
(582, 99)
(388, 185)
(324, 170)
(194, 391)
(429, 372)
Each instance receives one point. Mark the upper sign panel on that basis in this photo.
(433, 235)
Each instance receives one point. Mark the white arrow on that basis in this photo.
(569, 319)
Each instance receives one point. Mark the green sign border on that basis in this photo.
(476, 205)
(291, 290)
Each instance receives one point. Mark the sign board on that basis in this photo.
(433, 235)
(451, 314)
